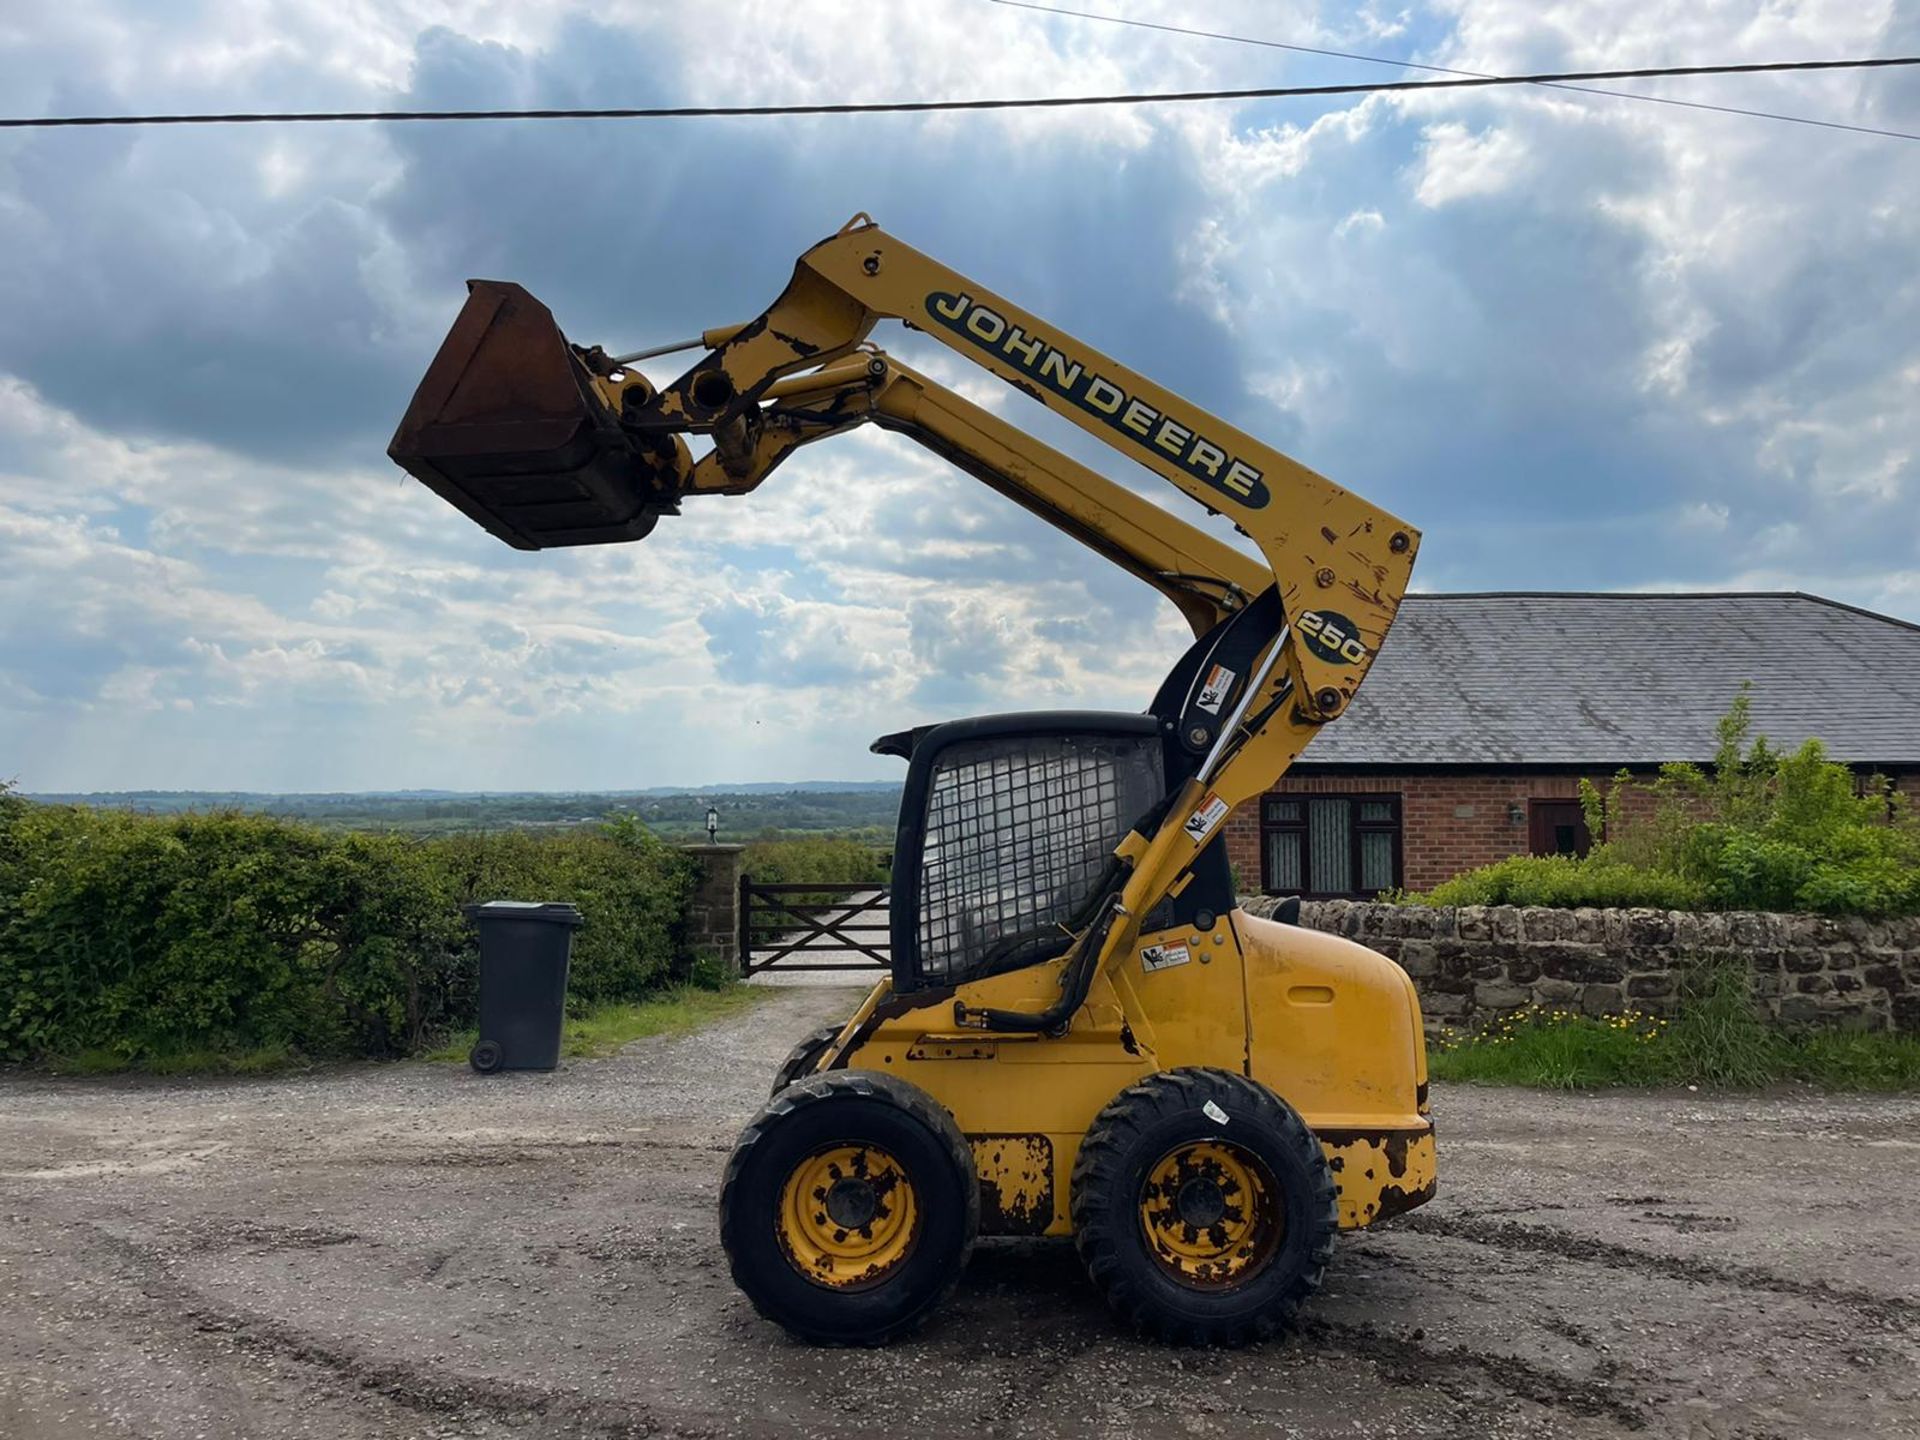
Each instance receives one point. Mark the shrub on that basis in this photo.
(708, 972)
(777, 862)
(1758, 831)
(631, 887)
(1562, 880)
(154, 936)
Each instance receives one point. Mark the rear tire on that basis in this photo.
(804, 1057)
(1203, 1207)
(487, 1057)
(849, 1208)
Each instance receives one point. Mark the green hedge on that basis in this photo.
(150, 935)
(1563, 881)
(775, 862)
(1759, 830)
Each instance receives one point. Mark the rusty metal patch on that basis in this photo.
(943, 1047)
(1395, 1201)
(1016, 1183)
(1378, 1173)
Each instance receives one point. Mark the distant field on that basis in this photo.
(857, 811)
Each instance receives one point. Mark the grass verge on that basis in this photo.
(260, 1060)
(600, 1030)
(603, 1029)
(1714, 1041)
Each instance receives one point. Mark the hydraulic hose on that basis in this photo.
(1079, 979)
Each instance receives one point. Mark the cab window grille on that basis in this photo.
(1018, 832)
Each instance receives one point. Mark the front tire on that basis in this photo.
(804, 1058)
(1203, 1207)
(849, 1208)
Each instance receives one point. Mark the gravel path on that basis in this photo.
(410, 1250)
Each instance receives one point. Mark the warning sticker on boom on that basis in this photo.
(1163, 957)
(1214, 693)
(1211, 812)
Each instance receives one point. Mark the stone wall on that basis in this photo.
(1479, 961)
(713, 917)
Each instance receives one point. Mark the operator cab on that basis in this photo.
(1008, 823)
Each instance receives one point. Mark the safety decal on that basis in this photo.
(1211, 812)
(1163, 957)
(1214, 693)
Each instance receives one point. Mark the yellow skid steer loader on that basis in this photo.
(1082, 1035)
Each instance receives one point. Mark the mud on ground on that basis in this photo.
(410, 1250)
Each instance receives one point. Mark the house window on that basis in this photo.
(1330, 845)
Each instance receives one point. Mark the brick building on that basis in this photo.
(1470, 738)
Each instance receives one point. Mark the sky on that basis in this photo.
(1582, 342)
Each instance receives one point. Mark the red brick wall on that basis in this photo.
(1448, 823)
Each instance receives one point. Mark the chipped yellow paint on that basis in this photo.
(1353, 1064)
(1380, 1175)
(951, 1047)
(1016, 1183)
(848, 1217)
(1212, 1239)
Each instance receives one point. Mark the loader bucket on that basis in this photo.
(507, 427)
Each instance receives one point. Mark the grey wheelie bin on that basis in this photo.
(525, 948)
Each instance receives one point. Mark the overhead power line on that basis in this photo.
(920, 107)
(1449, 70)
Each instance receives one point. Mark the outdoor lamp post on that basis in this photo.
(713, 824)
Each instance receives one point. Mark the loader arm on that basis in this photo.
(1327, 549)
(1336, 566)
(1205, 578)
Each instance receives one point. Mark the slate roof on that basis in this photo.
(1612, 679)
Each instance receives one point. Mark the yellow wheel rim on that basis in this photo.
(1209, 1214)
(848, 1216)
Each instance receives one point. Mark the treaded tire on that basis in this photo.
(850, 1107)
(804, 1056)
(1137, 1130)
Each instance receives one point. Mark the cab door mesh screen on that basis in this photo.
(1018, 833)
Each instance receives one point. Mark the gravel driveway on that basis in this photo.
(410, 1250)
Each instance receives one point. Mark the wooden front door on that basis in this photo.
(1557, 827)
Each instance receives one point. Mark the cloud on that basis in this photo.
(1457, 163)
(1581, 341)
(773, 641)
